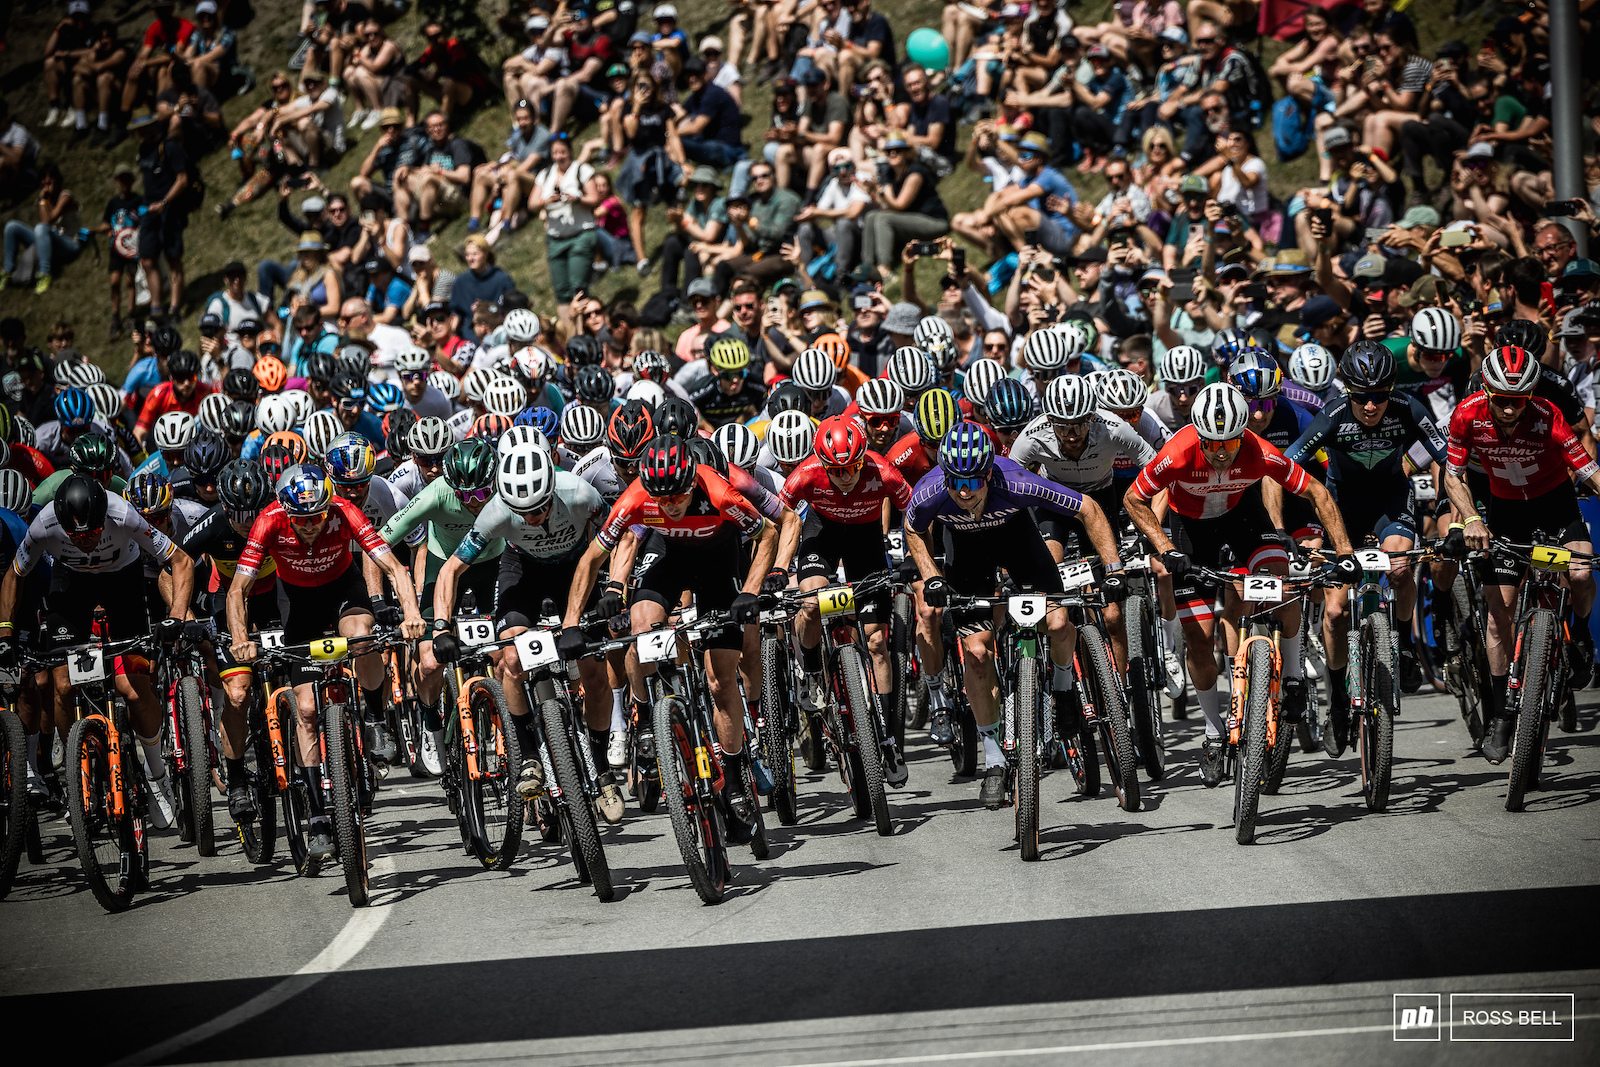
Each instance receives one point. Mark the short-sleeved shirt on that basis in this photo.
(156, 35)
(723, 112)
(160, 163)
(880, 480)
(451, 154)
(561, 535)
(125, 537)
(715, 508)
(1197, 490)
(318, 563)
(935, 109)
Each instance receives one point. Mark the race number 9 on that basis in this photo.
(535, 648)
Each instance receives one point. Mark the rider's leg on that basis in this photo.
(144, 714)
(644, 615)
(930, 645)
(427, 674)
(808, 626)
(1400, 581)
(722, 668)
(1199, 630)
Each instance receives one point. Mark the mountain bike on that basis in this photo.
(1538, 683)
(853, 727)
(258, 837)
(186, 742)
(1465, 621)
(15, 814)
(482, 754)
(778, 722)
(911, 695)
(1146, 670)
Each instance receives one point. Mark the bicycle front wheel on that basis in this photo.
(349, 828)
(869, 746)
(197, 759)
(296, 801)
(1472, 664)
(493, 806)
(696, 823)
(777, 750)
(1112, 715)
(1026, 789)
(1251, 766)
(1534, 699)
(1144, 701)
(258, 838)
(1376, 725)
(105, 840)
(14, 813)
(588, 854)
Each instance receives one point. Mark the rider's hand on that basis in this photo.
(387, 614)
(169, 628)
(412, 627)
(775, 581)
(936, 592)
(194, 631)
(1115, 588)
(746, 608)
(1455, 544)
(610, 602)
(445, 648)
(1477, 536)
(244, 651)
(571, 644)
(1347, 569)
(1175, 562)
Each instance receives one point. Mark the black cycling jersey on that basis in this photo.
(214, 537)
(719, 408)
(1364, 456)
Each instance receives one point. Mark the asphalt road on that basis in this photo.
(1144, 937)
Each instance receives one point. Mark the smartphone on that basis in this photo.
(369, 216)
(925, 249)
(1045, 274)
(1325, 214)
(1256, 291)
(1030, 237)
(1375, 235)
(1558, 208)
(1455, 239)
(958, 262)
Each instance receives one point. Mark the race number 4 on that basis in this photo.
(658, 646)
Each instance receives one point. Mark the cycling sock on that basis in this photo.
(641, 712)
(33, 753)
(1292, 667)
(155, 768)
(619, 710)
(1210, 702)
(598, 739)
(1497, 694)
(236, 772)
(313, 777)
(811, 658)
(992, 756)
(733, 770)
(433, 714)
(1062, 679)
(527, 740)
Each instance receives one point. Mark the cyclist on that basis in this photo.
(1280, 422)
(913, 371)
(1045, 355)
(843, 486)
(980, 501)
(307, 533)
(582, 430)
(612, 466)
(1009, 407)
(90, 456)
(203, 460)
(75, 416)
(97, 543)
(879, 405)
(915, 453)
(1182, 369)
(1367, 432)
(814, 372)
(351, 462)
(695, 520)
(182, 393)
(729, 394)
(1312, 368)
(348, 400)
(788, 442)
(1212, 470)
(1530, 454)
(428, 440)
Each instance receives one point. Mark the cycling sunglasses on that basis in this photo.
(1507, 399)
(1180, 392)
(1231, 445)
(883, 422)
(1375, 397)
(675, 500)
(436, 460)
(351, 403)
(243, 518)
(1263, 407)
(413, 375)
(731, 375)
(1072, 425)
(535, 514)
(307, 520)
(845, 470)
(475, 496)
(84, 535)
(965, 485)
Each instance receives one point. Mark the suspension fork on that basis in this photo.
(1241, 670)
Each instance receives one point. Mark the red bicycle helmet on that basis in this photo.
(668, 467)
(840, 442)
(630, 430)
(1510, 371)
(490, 427)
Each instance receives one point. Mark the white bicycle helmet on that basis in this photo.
(1180, 364)
(881, 396)
(813, 371)
(790, 435)
(26, 435)
(582, 427)
(79, 373)
(519, 436)
(211, 409)
(1046, 350)
(303, 404)
(942, 352)
(1077, 338)
(1220, 412)
(475, 383)
(981, 376)
(739, 443)
(446, 383)
(15, 492)
(522, 327)
(429, 436)
(1121, 390)
(413, 358)
(1312, 367)
(275, 413)
(527, 477)
(173, 431)
(1510, 370)
(1436, 330)
(930, 327)
(911, 369)
(649, 392)
(321, 428)
(650, 364)
(505, 396)
(107, 401)
(1069, 398)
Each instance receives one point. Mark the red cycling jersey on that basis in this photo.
(910, 457)
(880, 481)
(714, 505)
(1197, 490)
(161, 401)
(321, 561)
(30, 463)
(1529, 462)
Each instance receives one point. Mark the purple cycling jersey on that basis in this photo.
(1011, 489)
(1302, 396)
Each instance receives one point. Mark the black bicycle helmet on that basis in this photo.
(240, 384)
(165, 340)
(676, 415)
(630, 430)
(92, 455)
(238, 419)
(206, 455)
(321, 367)
(706, 451)
(788, 397)
(1524, 334)
(244, 488)
(348, 386)
(81, 505)
(594, 384)
(583, 351)
(275, 459)
(183, 364)
(668, 467)
(1367, 364)
(469, 464)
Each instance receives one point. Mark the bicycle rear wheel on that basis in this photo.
(1471, 664)
(104, 840)
(696, 823)
(964, 749)
(869, 746)
(577, 809)
(1144, 701)
(197, 760)
(1376, 725)
(258, 838)
(1112, 715)
(349, 828)
(14, 814)
(1250, 769)
(777, 748)
(296, 803)
(1026, 787)
(1527, 747)
(493, 806)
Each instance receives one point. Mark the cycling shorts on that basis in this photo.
(478, 579)
(1555, 513)
(315, 610)
(1223, 543)
(1375, 510)
(524, 584)
(858, 545)
(74, 595)
(667, 567)
(973, 564)
(1068, 531)
(261, 613)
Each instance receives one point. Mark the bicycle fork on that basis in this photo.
(1238, 704)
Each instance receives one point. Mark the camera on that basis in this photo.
(958, 262)
(1030, 237)
(211, 331)
(885, 172)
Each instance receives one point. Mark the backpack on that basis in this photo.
(1291, 128)
(657, 311)
(252, 299)
(1257, 86)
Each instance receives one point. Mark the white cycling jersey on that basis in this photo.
(1110, 443)
(126, 535)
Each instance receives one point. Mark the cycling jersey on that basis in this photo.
(318, 563)
(1301, 396)
(880, 480)
(162, 401)
(1529, 462)
(47, 439)
(714, 507)
(215, 538)
(125, 536)
(719, 408)
(1288, 422)
(906, 424)
(1361, 455)
(383, 501)
(561, 535)
(1552, 388)
(408, 479)
(1111, 442)
(438, 511)
(1012, 490)
(28, 462)
(1197, 490)
(599, 471)
(911, 457)
(47, 489)
(755, 490)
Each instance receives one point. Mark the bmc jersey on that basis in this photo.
(1531, 461)
(161, 401)
(123, 538)
(910, 458)
(880, 480)
(713, 506)
(1012, 491)
(1197, 490)
(1111, 443)
(318, 563)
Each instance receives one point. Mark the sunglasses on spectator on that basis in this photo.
(996, 346)
(475, 496)
(1375, 397)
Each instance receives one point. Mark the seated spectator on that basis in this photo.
(702, 296)
(448, 71)
(925, 118)
(654, 169)
(233, 303)
(529, 75)
(724, 76)
(905, 207)
(438, 183)
(253, 145)
(825, 24)
(314, 282)
(387, 291)
(869, 126)
(1395, 92)
(824, 117)
(382, 236)
(709, 122)
(616, 242)
(212, 49)
(870, 40)
(430, 283)
(759, 226)
(331, 35)
(376, 174)
(372, 74)
(669, 42)
(696, 227)
(312, 126)
(565, 196)
(509, 178)
(834, 221)
(482, 281)
(1241, 180)
(152, 67)
(71, 42)
(98, 77)
(587, 55)
(19, 155)
(54, 238)
(192, 114)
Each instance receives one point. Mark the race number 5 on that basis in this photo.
(1026, 610)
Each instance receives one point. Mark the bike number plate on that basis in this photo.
(1076, 574)
(1373, 559)
(536, 648)
(1546, 558)
(897, 543)
(1263, 589)
(329, 648)
(474, 630)
(1423, 485)
(1026, 610)
(86, 665)
(270, 639)
(658, 646)
(1136, 565)
(840, 601)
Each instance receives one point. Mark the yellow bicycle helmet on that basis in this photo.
(729, 354)
(936, 413)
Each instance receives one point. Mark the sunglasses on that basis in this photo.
(675, 500)
(429, 462)
(413, 375)
(731, 375)
(474, 496)
(1072, 425)
(1375, 397)
(965, 485)
(84, 535)
(1181, 391)
(1263, 407)
(844, 470)
(307, 520)
(349, 403)
(243, 518)
(183, 377)
(1221, 446)
(1506, 400)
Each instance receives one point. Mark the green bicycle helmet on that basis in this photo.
(469, 465)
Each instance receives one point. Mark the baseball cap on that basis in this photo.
(81, 7)
(1572, 325)
(1368, 268)
(1316, 311)
(896, 142)
(205, 7)
(1193, 183)
(1481, 150)
(373, 266)
(211, 321)
(1582, 268)
(124, 170)
(1236, 269)
(312, 203)
(536, 23)
(664, 11)
(700, 287)
(1099, 51)
(639, 37)
(247, 326)
(1092, 254)
(1421, 215)
(233, 269)
(710, 43)
(1335, 137)
(419, 254)
(1427, 287)
(1176, 34)
(704, 175)
(438, 307)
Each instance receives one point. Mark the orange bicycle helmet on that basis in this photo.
(292, 441)
(490, 427)
(271, 373)
(836, 347)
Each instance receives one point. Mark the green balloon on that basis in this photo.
(928, 49)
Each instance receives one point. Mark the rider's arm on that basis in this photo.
(1328, 512)
(1100, 533)
(788, 538)
(766, 550)
(182, 584)
(444, 587)
(1272, 502)
(238, 616)
(917, 547)
(1314, 437)
(1144, 518)
(8, 599)
(583, 576)
(403, 589)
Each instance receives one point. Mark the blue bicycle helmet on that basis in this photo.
(384, 397)
(307, 490)
(74, 409)
(547, 421)
(351, 459)
(1009, 404)
(1229, 345)
(967, 451)
(1256, 374)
